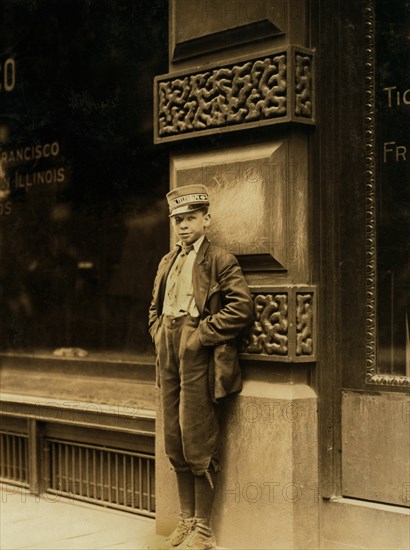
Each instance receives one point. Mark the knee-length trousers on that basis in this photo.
(190, 422)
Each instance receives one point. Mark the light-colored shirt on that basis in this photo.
(179, 291)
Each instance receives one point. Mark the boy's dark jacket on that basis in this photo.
(224, 304)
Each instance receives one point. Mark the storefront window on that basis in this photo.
(393, 190)
(82, 219)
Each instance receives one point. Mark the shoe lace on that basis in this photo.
(185, 526)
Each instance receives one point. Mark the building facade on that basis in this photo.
(294, 114)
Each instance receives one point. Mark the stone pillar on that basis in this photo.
(240, 94)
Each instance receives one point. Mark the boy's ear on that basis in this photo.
(207, 218)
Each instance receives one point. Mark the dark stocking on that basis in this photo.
(186, 494)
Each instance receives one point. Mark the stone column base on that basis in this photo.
(267, 495)
(267, 492)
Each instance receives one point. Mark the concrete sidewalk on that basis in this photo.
(53, 522)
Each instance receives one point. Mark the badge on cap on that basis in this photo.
(187, 198)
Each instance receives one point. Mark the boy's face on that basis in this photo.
(191, 226)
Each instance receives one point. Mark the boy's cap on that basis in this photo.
(187, 198)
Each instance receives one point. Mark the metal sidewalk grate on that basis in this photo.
(110, 477)
(14, 458)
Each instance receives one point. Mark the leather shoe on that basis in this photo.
(198, 541)
(179, 534)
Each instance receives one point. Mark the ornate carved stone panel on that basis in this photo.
(271, 89)
(304, 85)
(304, 323)
(269, 333)
(285, 325)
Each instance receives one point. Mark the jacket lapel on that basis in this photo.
(162, 279)
(200, 277)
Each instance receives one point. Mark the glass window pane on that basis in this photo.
(82, 215)
(393, 190)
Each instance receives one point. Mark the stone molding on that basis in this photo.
(198, 28)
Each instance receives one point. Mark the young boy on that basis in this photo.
(201, 304)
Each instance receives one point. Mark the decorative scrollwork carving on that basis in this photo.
(269, 334)
(370, 109)
(245, 92)
(304, 324)
(303, 82)
(389, 380)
